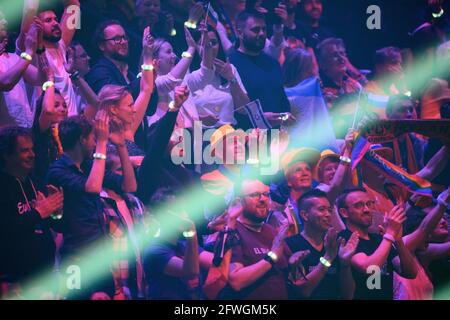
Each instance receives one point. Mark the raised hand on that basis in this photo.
(196, 12)
(394, 220)
(331, 244)
(70, 64)
(181, 95)
(278, 241)
(32, 38)
(295, 264)
(224, 69)
(102, 126)
(347, 250)
(235, 210)
(148, 43)
(117, 134)
(297, 257)
(281, 12)
(350, 138)
(189, 40)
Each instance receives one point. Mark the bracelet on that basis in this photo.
(172, 106)
(325, 262)
(345, 159)
(147, 67)
(99, 156)
(189, 234)
(75, 75)
(26, 56)
(389, 237)
(190, 24)
(186, 55)
(40, 50)
(47, 84)
(439, 14)
(271, 257)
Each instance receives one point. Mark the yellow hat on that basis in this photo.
(325, 154)
(222, 132)
(308, 155)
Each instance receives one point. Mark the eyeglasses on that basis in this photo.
(118, 39)
(258, 194)
(360, 205)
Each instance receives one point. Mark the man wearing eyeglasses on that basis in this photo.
(112, 67)
(259, 263)
(377, 256)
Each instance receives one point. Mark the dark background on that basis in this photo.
(347, 18)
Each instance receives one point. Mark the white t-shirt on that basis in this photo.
(56, 59)
(15, 108)
(210, 97)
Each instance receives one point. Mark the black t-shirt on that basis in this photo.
(328, 288)
(262, 79)
(365, 280)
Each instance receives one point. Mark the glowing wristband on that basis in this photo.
(190, 25)
(325, 262)
(389, 237)
(26, 56)
(172, 105)
(173, 33)
(47, 85)
(99, 156)
(186, 55)
(272, 255)
(345, 159)
(439, 14)
(188, 234)
(147, 67)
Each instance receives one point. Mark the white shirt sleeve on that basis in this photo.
(166, 83)
(200, 78)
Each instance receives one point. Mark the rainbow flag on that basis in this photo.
(397, 175)
(360, 148)
(362, 152)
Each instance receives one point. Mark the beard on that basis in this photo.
(119, 57)
(252, 45)
(254, 217)
(52, 39)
